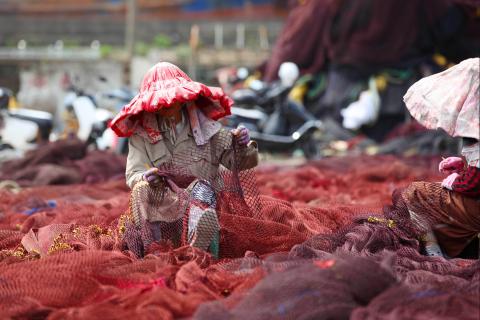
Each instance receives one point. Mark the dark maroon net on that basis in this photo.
(63, 162)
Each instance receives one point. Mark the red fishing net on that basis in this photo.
(62, 162)
(320, 247)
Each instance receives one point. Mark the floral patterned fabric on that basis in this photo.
(448, 100)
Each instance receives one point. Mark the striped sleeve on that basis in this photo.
(468, 182)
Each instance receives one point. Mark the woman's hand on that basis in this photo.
(241, 135)
(448, 181)
(152, 177)
(451, 165)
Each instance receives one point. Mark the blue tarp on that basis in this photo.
(207, 5)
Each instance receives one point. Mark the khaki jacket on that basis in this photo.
(203, 164)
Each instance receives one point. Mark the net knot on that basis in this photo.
(59, 244)
(388, 222)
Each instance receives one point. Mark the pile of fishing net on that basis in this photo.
(63, 162)
(323, 247)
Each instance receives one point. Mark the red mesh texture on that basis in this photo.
(63, 162)
(426, 295)
(85, 275)
(319, 289)
(332, 286)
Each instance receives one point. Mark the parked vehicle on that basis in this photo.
(92, 119)
(119, 97)
(274, 121)
(22, 127)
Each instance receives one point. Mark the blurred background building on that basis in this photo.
(44, 44)
(352, 59)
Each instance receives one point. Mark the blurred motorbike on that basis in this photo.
(22, 127)
(88, 121)
(276, 122)
(120, 97)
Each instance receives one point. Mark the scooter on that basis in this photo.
(256, 104)
(92, 120)
(276, 123)
(22, 128)
(119, 97)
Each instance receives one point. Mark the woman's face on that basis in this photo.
(171, 111)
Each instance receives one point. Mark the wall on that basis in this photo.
(43, 85)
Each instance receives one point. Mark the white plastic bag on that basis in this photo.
(363, 111)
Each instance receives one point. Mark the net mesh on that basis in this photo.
(191, 182)
(319, 231)
(62, 162)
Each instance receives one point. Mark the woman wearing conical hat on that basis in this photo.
(449, 212)
(176, 148)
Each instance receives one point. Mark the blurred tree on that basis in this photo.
(162, 41)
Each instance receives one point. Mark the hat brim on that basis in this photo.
(448, 100)
(213, 102)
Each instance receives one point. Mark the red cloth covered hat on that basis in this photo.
(162, 86)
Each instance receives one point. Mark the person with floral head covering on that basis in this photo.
(448, 212)
(176, 149)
